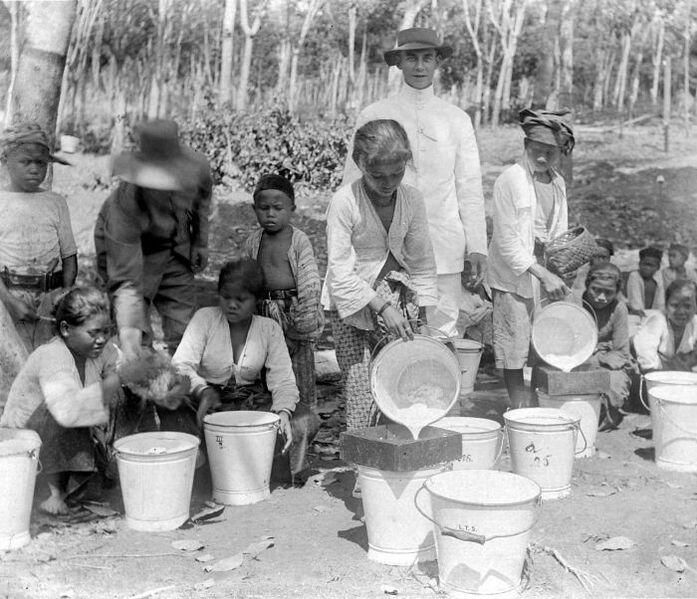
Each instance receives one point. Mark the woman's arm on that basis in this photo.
(279, 370)
(349, 292)
(187, 358)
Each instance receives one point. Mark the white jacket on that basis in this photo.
(511, 251)
(655, 335)
(445, 169)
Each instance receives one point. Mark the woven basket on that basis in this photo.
(565, 254)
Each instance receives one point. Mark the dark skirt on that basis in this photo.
(62, 449)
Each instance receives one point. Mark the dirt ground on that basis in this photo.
(319, 538)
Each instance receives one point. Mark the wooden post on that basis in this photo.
(666, 105)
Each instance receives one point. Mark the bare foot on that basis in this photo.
(54, 505)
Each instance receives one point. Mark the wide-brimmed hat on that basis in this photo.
(26, 133)
(160, 161)
(416, 38)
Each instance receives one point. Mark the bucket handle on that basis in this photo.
(502, 442)
(585, 441)
(465, 535)
(576, 426)
(643, 394)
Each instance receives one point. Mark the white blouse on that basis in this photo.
(655, 335)
(358, 246)
(50, 376)
(205, 355)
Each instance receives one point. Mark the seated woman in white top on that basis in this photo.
(381, 272)
(667, 341)
(65, 387)
(237, 360)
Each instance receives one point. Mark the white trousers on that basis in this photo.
(450, 297)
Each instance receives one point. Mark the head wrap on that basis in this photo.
(553, 128)
(25, 133)
(651, 252)
(605, 274)
(275, 182)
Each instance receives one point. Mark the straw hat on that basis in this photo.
(416, 38)
(160, 161)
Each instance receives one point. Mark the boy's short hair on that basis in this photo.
(606, 244)
(276, 182)
(651, 252)
(679, 247)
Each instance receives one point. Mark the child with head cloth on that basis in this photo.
(37, 250)
(381, 272)
(601, 299)
(667, 340)
(292, 285)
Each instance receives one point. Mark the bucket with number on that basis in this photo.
(542, 442)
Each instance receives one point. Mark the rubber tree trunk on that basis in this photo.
(37, 87)
(226, 51)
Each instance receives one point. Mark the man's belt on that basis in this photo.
(280, 294)
(40, 282)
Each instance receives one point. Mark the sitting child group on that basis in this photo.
(407, 245)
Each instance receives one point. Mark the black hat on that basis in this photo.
(275, 182)
(160, 162)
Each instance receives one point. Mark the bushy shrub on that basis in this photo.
(243, 146)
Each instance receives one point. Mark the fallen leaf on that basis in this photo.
(679, 543)
(615, 544)
(227, 564)
(321, 508)
(208, 513)
(601, 455)
(601, 492)
(673, 485)
(255, 549)
(206, 584)
(100, 510)
(206, 557)
(389, 590)
(673, 562)
(691, 524)
(187, 545)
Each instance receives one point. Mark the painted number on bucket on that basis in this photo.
(466, 458)
(219, 440)
(538, 460)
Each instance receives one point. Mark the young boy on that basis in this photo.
(601, 299)
(645, 290)
(37, 249)
(292, 279)
(676, 269)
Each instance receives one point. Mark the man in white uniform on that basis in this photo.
(445, 167)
